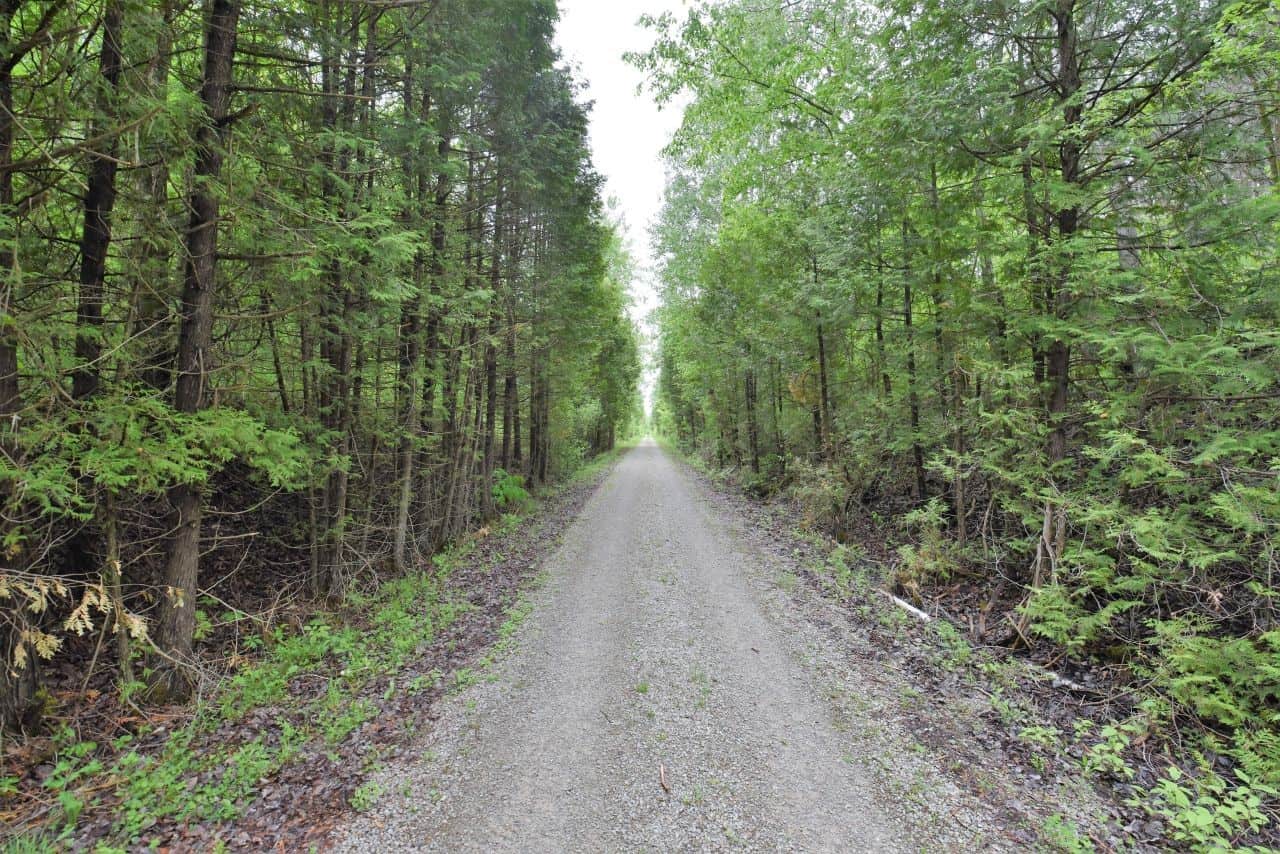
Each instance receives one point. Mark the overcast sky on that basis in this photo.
(628, 132)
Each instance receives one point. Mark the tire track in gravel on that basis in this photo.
(648, 657)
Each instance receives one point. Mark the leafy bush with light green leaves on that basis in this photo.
(508, 490)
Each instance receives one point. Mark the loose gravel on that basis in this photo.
(664, 694)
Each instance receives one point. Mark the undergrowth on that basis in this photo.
(367, 641)
(373, 637)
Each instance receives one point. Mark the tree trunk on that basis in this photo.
(885, 381)
(431, 346)
(150, 268)
(1057, 358)
(534, 438)
(824, 391)
(336, 341)
(99, 201)
(487, 508)
(409, 347)
(913, 397)
(10, 400)
(112, 582)
(753, 429)
(17, 687)
(456, 505)
(176, 621)
(510, 394)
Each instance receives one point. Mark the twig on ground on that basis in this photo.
(908, 607)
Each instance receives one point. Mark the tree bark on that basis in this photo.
(337, 341)
(487, 508)
(824, 391)
(99, 201)
(753, 429)
(176, 622)
(913, 395)
(409, 346)
(16, 687)
(150, 263)
(885, 381)
(510, 394)
(431, 346)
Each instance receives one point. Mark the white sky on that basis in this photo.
(628, 132)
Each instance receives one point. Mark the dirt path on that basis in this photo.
(657, 653)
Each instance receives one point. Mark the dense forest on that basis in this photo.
(300, 299)
(293, 294)
(1000, 284)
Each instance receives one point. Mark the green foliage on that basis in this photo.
(933, 557)
(366, 796)
(1232, 681)
(508, 490)
(1206, 812)
(1062, 835)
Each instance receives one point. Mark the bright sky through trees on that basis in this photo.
(628, 132)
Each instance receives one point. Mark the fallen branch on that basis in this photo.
(908, 607)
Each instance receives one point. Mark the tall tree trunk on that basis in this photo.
(535, 439)
(936, 295)
(824, 391)
(17, 686)
(778, 445)
(913, 397)
(277, 363)
(544, 422)
(1058, 361)
(456, 505)
(150, 259)
(753, 428)
(487, 508)
(427, 489)
(517, 445)
(99, 201)
(337, 343)
(112, 582)
(510, 393)
(409, 348)
(1057, 357)
(824, 386)
(176, 622)
(881, 356)
(1037, 238)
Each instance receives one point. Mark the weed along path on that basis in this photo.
(654, 697)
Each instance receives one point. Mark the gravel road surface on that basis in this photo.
(656, 698)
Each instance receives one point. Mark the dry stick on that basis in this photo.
(662, 779)
(908, 607)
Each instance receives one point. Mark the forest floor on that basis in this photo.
(683, 682)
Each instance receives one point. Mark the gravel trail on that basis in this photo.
(654, 699)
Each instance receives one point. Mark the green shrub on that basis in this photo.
(508, 490)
